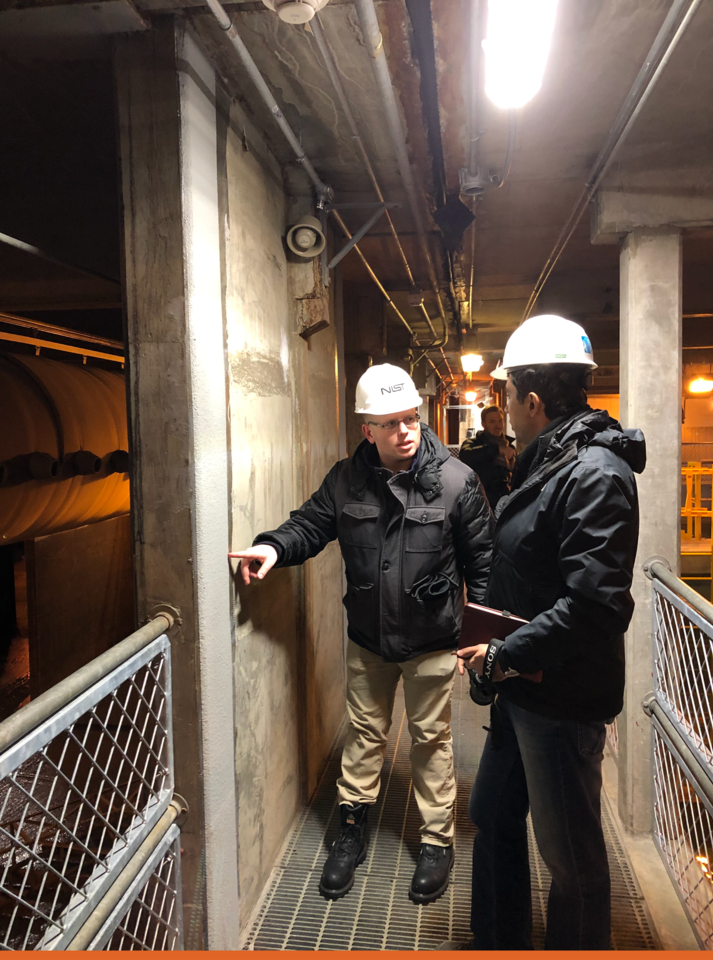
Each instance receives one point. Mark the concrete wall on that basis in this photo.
(235, 419)
(284, 414)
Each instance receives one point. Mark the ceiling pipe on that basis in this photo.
(327, 57)
(318, 33)
(667, 39)
(39, 326)
(366, 12)
(345, 230)
(50, 258)
(324, 192)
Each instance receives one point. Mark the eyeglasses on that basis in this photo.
(392, 425)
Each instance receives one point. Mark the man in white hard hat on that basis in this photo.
(413, 525)
(563, 555)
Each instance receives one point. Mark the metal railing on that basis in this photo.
(681, 712)
(698, 504)
(86, 801)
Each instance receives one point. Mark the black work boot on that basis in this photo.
(432, 874)
(348, 851)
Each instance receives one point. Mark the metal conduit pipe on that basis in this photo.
(326, 53)
(375, 45)
(674, 26)
(226, 24)
(318, 33)
(40, 326)
(345, 230)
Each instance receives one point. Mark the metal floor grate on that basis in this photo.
(377, 914)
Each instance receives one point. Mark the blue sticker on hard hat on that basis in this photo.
(587, 345)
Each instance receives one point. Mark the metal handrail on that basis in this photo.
(91, 929)
(47, 704)
(700, 773)
(658, 568)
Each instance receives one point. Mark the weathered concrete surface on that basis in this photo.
(235, 420)
(159, 392)
(284, 437)
(651, 388)
(618, 212)
(209, 474)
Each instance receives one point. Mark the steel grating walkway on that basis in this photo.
(377, 914)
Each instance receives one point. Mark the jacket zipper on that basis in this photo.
(565, 458)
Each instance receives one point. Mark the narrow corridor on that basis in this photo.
(377, 914)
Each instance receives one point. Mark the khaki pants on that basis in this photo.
(371, 687)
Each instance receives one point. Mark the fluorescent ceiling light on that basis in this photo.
(516, 49)
(471, 362)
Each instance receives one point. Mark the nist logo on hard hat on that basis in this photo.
(395, 389)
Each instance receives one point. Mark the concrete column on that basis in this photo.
(178, 414)
(650, 384)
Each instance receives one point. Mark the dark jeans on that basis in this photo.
(554, 768)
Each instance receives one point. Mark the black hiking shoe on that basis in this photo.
(432, 874)
(348, 851)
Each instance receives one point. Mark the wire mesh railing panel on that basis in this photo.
(684, 834)
(153, 919)
(683, 644)
(78, 795)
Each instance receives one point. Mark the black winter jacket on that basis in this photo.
(483, 454)
(408, 541)
(563, 556)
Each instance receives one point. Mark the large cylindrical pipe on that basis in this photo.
(63, 438)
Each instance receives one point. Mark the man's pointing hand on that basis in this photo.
(262, 554)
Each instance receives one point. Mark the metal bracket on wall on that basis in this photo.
(381, 209)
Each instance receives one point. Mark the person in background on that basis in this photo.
(414, 527)
(491, 454)
(563, 557)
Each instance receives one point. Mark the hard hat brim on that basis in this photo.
(501, 373)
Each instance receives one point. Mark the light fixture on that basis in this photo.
(516, 49)
(471, 362)
(470, 396)
(700, 386)
(295, 11)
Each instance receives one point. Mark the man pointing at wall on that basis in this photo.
(413, 525)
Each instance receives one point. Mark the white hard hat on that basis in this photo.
(385, 388)
(546, 339)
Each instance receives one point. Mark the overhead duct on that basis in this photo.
(295, 11)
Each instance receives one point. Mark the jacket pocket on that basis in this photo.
(359, 604)
(357, 525)
(431, 620)
(423, 529)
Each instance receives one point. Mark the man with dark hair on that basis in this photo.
(563, 554)
(491, 454)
